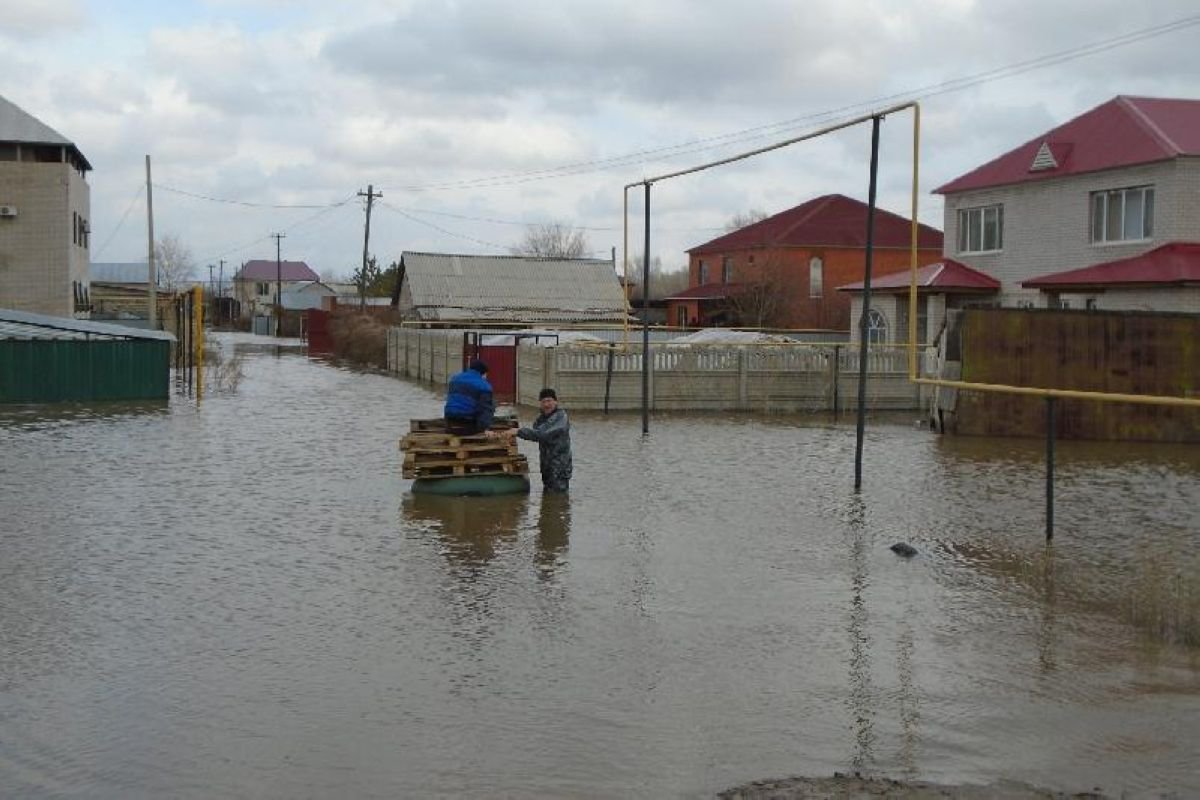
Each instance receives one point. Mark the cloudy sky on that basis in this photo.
(474, 118)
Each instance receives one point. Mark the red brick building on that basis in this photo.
(784, 271)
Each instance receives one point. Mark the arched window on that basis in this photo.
(876, 327)
(816, 277)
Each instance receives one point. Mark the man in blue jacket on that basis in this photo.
(469, 402)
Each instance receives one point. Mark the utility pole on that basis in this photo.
(220, 289)
(210, 280)
(153, 276)
(278, 286)
(362, 287)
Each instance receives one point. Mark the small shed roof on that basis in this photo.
(945, 276)
(119, 272)
(26, 325)
(445, 286)
(832, 220)
(1172, 264)
(261, 269)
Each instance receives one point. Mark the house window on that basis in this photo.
(1122, 215)
(681, 316)
(981, 230)
(262, 289)
(876, 327)
(816, 277)
(727, 270)
(703, 273)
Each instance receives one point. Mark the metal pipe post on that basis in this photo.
(866, 307)
(646, 321)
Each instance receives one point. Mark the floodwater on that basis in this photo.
(238, 598)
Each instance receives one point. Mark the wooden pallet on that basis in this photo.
(439, 425)
(511, 466)
(498, 455)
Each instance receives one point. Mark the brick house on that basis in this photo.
(1100, 212)
(783, 271)
(45, 208)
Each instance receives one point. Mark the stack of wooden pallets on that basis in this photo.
(430, 451)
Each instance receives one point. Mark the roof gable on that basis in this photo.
(1122, 132)
(832, 220)
(450, 286)
(261, 269)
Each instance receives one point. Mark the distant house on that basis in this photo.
(447, 287)
(119, 289)
(944, 285)
(783, 271)
(254, 285)
(45, 218)
(1101, 212)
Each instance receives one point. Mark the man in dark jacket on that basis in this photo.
(552, 431)
(469, 402)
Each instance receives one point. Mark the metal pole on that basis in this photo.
(646, 321)
(152, 277)
(612, 346)
(866, 307)
(1050, 431)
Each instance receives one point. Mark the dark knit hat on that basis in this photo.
(479, 366)
(547, 392)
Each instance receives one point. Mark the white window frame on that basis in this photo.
(262, 288)
(816, 278)
(973, 224)
(877, 327)
(1105, 204)
(727, 269)
(702, 273)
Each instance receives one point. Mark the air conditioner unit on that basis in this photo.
(8, 211)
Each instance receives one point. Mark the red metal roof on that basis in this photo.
(832, 220)
(947, 275)
(709, 291)
(1122, 132)
(1171, 264)
(263, 270)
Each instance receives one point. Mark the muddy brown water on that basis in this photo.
(238, 598)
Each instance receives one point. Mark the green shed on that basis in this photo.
(52, 359)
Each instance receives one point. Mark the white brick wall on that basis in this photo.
(1046, 223)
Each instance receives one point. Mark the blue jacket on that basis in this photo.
(470, 397)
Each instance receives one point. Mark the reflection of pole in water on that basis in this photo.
(910, 715)
(860, 700)
(1046, 636)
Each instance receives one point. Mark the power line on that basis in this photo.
(440, 229)
(246, 203)
(527, 223)
(324, 210)
(761, 131)
(120, 222)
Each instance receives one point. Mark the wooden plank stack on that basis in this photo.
(430, 451)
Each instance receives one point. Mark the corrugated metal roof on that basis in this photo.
(1171, 264)
(18, 125)
(25, 325)
(119, 272)
(261, 269)
(1122, 132)
(832, 220)
(459, 287)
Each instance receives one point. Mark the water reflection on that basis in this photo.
(553, 533)
(860, 699)
(473, 530)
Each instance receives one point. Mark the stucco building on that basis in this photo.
(45, 213)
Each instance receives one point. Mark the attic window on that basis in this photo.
(1044, 159)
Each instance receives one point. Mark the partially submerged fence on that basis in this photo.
(750, 377)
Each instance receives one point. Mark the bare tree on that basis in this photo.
(741, 220)
(552, 240)
(664, 281)
(173, 262)
(761, 303)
